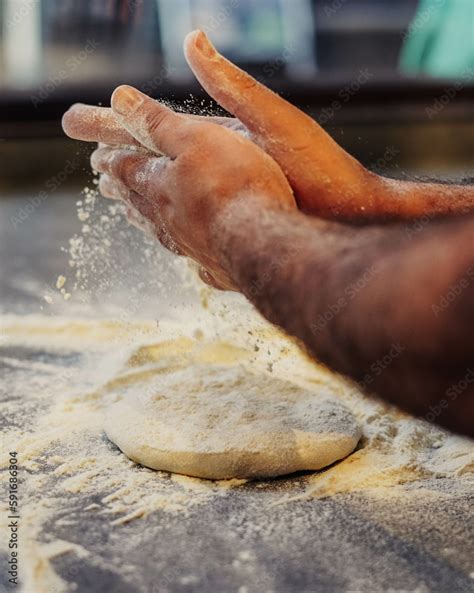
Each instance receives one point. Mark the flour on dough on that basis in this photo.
(218, 422)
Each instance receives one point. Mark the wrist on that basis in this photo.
(235, 229)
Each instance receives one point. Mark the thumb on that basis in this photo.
(151, 123)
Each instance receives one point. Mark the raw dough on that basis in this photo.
(218, 421)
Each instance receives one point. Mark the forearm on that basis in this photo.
(370, 198)
(365, 301)
(407, 200)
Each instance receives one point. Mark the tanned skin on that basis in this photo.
(374, 302)
(327, 181)
(369, 303)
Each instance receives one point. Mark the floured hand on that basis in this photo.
(326, 180)
(182, 193)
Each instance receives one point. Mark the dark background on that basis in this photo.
(66, 51)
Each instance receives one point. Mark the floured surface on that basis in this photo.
(222, 421)
(393, 516)
(406, 490)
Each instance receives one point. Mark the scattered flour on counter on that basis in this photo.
(59, 372)
(64, 453)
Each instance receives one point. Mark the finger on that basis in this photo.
(136, 219)
(139, 221)
(140, 172)
(99, 124)
(112, 188)
(136, 204)
(152, 229)
(260, 109)
(300, 146)
(150, 211)
(95, 124)
(154, 125)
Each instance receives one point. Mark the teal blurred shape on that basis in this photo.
(440, 40)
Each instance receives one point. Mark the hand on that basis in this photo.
(326, 180)
(99, 124)
(183, 193)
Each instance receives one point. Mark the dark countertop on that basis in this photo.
(239, 541)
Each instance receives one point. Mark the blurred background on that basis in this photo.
(391, 80)
(348, 62)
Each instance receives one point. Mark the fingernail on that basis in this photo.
(126, 99)
(204, 46)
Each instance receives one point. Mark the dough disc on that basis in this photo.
(218, 422)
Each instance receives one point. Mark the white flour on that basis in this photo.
(62, 450)
(58, 372)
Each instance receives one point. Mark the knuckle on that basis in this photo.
(157, 119)
(99, 159)
(126, 168)
(120, 166)
(104, 188)
(246, 82)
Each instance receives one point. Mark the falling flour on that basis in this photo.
(61, 374)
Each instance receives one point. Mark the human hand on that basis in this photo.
(184, 193)
(326, 180)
